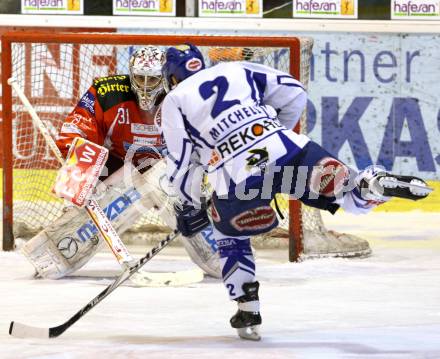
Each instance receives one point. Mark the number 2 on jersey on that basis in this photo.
(206, 90)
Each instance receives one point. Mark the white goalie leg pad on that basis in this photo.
(72, 240)
(202, 247)
(58, 250)
(42, 252)
(203, 251)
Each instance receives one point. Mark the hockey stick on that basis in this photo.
(25, 331)
(93, 209)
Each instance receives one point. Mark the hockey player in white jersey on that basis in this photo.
(233, 121)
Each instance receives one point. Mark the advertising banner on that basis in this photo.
(415, 10)
(144, 7)
(330, 9)
(374, 99)
(239, 8)
(66, 7)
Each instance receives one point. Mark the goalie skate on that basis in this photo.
(385, 184)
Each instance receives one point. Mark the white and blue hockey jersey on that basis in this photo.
(230, 120)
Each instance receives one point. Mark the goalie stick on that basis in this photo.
(26, 331)
(92, 207)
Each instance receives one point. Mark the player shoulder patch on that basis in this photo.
(87, 102)
(112, 90)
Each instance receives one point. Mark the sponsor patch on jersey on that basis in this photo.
(113, 90)
(259, 218)
(258, 158)
(68, 127)
(106, 87)
(193, 64)
(145, 141)
(215, 158)
(154, 150)
(110, 78)
(328, 177)
(81, 121)
(245, 137)
(143, 129)
(87, 102)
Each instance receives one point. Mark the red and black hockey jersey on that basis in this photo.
(108, 115)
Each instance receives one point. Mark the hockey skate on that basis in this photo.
(247, 320)
(376, 184)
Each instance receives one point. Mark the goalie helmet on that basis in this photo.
(145, 67)
(181, 62)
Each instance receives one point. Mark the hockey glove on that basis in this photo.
(190, 220)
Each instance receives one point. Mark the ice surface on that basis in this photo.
(385, 306)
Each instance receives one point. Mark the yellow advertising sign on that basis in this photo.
(144, 7)
(342, 9)
(66, 7)
(415, 10)
(240, 8)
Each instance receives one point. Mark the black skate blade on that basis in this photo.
(407, 187)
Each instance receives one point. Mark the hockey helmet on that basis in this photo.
(145, 68)
(181, 62)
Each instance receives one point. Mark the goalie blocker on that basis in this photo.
(79, 174)
(70, 241)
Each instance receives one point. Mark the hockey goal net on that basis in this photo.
(54, 70)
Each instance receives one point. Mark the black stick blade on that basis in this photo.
(25, 331)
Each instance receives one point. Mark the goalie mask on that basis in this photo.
(181, 62)
(145, 67)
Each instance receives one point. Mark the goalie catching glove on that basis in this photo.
(190, 220)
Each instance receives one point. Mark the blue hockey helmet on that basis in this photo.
(181, 62)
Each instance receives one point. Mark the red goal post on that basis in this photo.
(54, 70)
